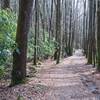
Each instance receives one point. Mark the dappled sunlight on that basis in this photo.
(64, 79)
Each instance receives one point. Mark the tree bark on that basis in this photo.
(58, 30)
(36, 31)
(98, 36)
(20, 53)
(90, 34)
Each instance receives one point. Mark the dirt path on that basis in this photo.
(65, 81)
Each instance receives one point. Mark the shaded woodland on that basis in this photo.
(32, 31)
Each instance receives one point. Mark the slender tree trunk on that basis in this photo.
(90, 35)
(94, 35)
(86, 42)
(44, 3)
(50, 21)
(36, 30)
(70, 32)
(66, 26)
(84, 28)
(98, 36)
(58, 30)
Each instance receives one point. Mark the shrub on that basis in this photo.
(45, 48)
(7, 35)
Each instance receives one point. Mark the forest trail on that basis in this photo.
(72, 79)
(66, 80)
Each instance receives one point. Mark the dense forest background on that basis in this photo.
(35, 30)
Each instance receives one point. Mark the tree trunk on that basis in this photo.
(70, 32)
(84, 28)
(36, 30)
(20, 53)
(58, 30)
(50, 21)
(66, 26)
(90, 35)
(98, 37)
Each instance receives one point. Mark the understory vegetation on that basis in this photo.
(8, 25)
(7, 38)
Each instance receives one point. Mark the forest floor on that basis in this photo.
(72, 79)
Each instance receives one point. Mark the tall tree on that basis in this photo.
(84, 27)
(58, 30)
(44, 3)
(98, 35)
(70, 32)
(50, 20)
(36, 30)
(20, 53)
(90, 34)
(66, 26)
